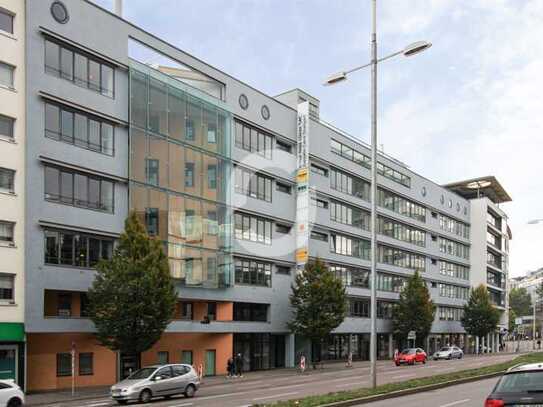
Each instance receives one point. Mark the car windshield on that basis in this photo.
(520, 382)
(142, 373)
(409, 351)
(445, 349)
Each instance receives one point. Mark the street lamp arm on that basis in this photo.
(369, 64)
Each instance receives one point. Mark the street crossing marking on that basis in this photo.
(455, 403)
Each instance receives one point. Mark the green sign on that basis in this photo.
(12, 332)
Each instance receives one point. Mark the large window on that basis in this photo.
(7, 180)
(7, 287)
(396, 203)
(352, 276)
(253, 228)
(453, 248)
(365, 161)
(251, 139)
(385, 309)
(453, 291)
(244, 311)
(252, 184)
(64, 364)
(399, 231)
(349, 215)
(85, 364)
(252, 272)
(6, 21)
(359, 308)
(6, 75)
(349, 246)
(450, 313)
(76, 249)
(6, 127)
(79, 128)
(6, 232)
(453, 270)
(77, 189)
(401, 258)
(350, 185)
(390, 283)
(79, 68)
(494, 259)
(453, 226)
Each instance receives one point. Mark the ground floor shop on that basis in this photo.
(260, 350)
(12, 352)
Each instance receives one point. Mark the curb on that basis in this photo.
(407, 392)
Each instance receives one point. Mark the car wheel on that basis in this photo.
(145, 396)
(15, 402)
(190, 391)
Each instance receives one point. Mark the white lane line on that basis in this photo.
(276, 395)
(218, 396)
(350, 384)
(342, 379)
(455, 403)
(182, 405)
(97, 404)
(403, 375)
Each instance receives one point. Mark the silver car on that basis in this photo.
(156, 381)
(449, 352)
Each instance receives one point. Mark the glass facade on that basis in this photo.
(180, 169)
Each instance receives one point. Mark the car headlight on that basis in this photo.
(124, 390)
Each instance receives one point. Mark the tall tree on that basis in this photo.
(415, 311)
(133, 297)
(319, 302)
(520, 301)
(480, 316)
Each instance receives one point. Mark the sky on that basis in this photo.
(470, 106)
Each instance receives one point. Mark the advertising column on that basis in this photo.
(302, 186)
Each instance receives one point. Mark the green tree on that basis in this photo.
(480, 316)
(133, 297)
(512, 317)
(319, 302)
(520, 301)
(415, 311)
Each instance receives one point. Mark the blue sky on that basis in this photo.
(472, 105)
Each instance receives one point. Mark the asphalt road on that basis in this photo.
(288, 385)
(464, 395)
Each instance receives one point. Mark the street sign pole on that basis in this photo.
(72, 352)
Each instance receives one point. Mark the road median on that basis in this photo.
(399, 389)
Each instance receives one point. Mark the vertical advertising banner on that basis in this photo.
(302, 186)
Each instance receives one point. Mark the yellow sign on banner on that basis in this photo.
(301, 255)
(302, 176)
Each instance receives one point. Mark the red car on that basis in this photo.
(410, 356)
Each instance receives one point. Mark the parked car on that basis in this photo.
(156, 381)
(11, 394)
(410, 356)
(449, 352)
(519, 386)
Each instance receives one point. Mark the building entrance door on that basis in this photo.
(8, 362)
(210, 363)
(128, 364)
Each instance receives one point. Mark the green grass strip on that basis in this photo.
(318, 400)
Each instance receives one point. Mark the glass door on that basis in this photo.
(8, 362)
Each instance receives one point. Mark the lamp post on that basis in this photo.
(410, 50)
(534, 222)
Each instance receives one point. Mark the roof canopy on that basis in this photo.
(477, 187)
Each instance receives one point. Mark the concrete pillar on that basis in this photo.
(476, 345)
(390, 346)
(427, 349)
(290, 351)
(487, 343)
(497, 336)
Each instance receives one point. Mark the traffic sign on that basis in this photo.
(412, 335)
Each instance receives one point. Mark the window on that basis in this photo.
(399, 231)
(453, 270)
(398, 204)
(453, 226)
(351, 276)
(349, 215)
(78, 128)
(359, 308)
(64, 364)
(6, 127)
(180, 370)
(323, 237)
(212, 176)
(252, 272)
(78, 67)
(64, 305)
(319, 203)
(151, 169)
(350, 185)
(390, 283)
(251, 139)
(6, 232)
(453, 248)
(6, 21)
(250, 312)
(252, 228)
(163, 358)
(212, 311)
(77, 189)
(280, 145)
(350, 246)
(279, 228)
(151, 221)
(319, 170)
(401, 258)
(453, 291)
(282, 270)
(286, 189)
(384, 309)
(450, 313)
(6, 75)
(186, 310)
(85, 364)
(186, 357)
(7, 287)
(165, 372)
(7, 179)
(189, 175)
(76, 249)
(252, 184)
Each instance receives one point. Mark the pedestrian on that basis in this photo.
(230, 367)
(238, 363)
(539, 343)
(396, 354)
(302, 363)
(349, 362)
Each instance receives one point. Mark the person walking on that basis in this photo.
(349, 362)
(230, 367)
(238, 363)
(302, 363)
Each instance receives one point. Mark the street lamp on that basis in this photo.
(534, 221)
(410, 50)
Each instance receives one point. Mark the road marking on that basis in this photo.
(97, 404)
(182, 405)
(276, 395)
(350, 384)
(402, 376)
(218, 396)
(454, 403)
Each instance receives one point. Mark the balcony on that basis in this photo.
(65, 304)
